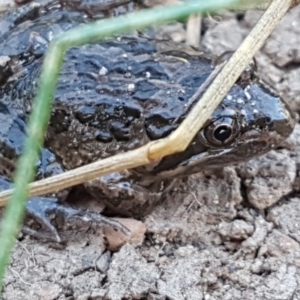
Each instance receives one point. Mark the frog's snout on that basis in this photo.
(285, 125)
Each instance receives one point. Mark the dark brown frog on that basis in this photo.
(117, 95)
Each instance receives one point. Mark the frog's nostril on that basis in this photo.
(268, 120)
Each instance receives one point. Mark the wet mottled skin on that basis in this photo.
(117, 95)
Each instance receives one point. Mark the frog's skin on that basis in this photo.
(116, 96)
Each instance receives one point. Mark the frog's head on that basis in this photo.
(249, 122)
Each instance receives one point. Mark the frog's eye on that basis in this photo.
(221, 132)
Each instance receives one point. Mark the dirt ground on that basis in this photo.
(232, 234)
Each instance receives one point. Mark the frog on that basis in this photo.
(114, 96)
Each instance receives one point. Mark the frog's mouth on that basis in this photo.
(251, 144)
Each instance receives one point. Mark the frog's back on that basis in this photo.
(111, 96)
(120, 94)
